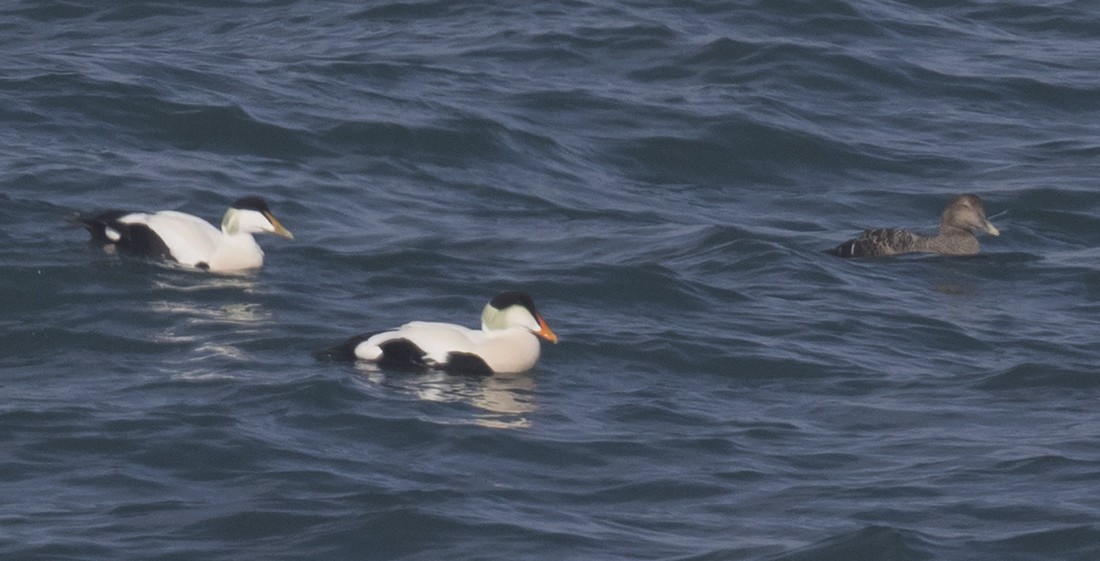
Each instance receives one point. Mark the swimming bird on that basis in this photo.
(190, 240)
(506, 343)
(961, 218)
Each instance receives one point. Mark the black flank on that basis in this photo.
(401, 354)
(466, 364)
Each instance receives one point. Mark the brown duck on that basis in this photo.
(960, 219)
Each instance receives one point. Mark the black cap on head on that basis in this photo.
(512, 298)
(251, 203)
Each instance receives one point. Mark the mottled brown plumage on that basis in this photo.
(961, 218)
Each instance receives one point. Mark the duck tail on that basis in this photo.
(343, 352)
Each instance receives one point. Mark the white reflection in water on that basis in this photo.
(500, 401)
(210, 326)
(197, 283)
(200, 314)
(218, 350)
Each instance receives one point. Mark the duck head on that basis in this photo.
(251, 215)
(967, 213)
(515, 309)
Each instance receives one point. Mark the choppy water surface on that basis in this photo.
(662, 178)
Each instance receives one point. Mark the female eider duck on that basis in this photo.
(190, 240)
(506, 343)
(960, 219)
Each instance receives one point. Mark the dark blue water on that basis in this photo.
(662, 177)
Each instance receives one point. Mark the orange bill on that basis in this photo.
(545, 332)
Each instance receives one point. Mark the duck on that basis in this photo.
(189, 240)
(507, 343)
(961, 218)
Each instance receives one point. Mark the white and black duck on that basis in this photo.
(190, 240)
(508, 342)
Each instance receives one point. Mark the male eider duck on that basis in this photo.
(190, 240)
(960, 219)
(506, 343)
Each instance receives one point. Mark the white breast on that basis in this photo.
(509, 350)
